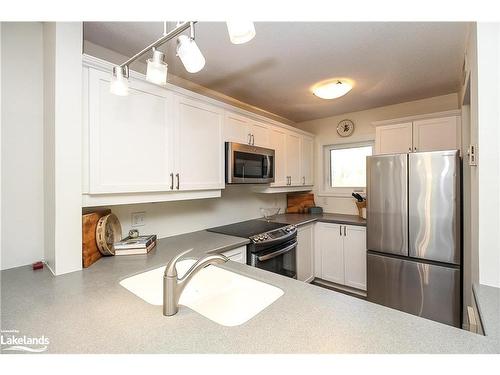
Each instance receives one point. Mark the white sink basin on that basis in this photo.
(220, 295)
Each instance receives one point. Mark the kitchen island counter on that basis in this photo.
(89, 312)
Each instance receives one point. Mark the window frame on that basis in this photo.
(327, 189)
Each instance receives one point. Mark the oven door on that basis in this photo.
(280, 259)
(247, 164)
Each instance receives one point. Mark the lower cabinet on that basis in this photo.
(340, 254)
(237, 255)
(305, 250)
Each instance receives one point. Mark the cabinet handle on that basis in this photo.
(177, 175)
(409, 149)
(253, 140)
(303, 180)
(344, 230)
(415, 149)
(340, 229)
(171, 181)
(249, 138)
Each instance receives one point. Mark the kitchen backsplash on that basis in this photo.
(167, 219)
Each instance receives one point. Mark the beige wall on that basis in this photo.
(326, 134)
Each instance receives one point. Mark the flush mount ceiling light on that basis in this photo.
(240, 31)
(187, 50)
(157, 68)
(332, 89)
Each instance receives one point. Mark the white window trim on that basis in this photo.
(344, 192)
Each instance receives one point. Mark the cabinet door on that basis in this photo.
(237, 255)
(305, 249)
(277, 142)
(355, 257)
(436, 134)
(130, 137)
(260, 134)
(199, 147)
(293, 158)
(329, 240)
(393, 139)
(236, 128)
(307, 157)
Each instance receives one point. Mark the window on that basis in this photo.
(345, 168)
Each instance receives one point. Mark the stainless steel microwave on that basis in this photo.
(246, 164)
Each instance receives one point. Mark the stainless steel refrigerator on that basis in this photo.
(414, 234)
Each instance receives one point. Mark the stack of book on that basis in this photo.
(135, 245)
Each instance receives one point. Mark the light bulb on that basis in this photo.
(119, 83)
(240, 31)
(157, 68)
(332, 89)
(190, 54)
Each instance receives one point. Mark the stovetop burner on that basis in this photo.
(247, 228)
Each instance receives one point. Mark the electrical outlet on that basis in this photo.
(138, 219)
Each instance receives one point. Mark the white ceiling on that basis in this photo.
(389, 62)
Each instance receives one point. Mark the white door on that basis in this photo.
(329, 239)
(237, 128)
(355, 257)
(277, 142)
(130, 137)
(259, 134)
(199, 147)
(305, 249)
(436, 134)
(293, 158)
(393, 139)
(307, 157)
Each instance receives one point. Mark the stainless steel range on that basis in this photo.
(273, 245)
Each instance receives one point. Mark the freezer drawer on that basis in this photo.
(422, 289)
(434, 206)
(387, 210)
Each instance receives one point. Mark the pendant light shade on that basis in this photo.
(119, 81)
(190, 54)
(240, 31)
(157, 68)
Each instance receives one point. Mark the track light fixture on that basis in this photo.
(157, 68)
(187, 50)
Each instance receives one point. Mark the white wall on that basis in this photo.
(488, 118)
(63, 145)
(166, 219)
(325, 130)
(22, 144)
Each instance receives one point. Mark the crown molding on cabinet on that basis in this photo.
(96, 63)
(453, 112)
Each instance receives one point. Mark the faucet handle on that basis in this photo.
(170, 270)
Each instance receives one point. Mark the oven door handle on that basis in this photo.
(277, 253)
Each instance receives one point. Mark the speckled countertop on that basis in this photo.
(89, 312)
(488, 304)
(301, 219)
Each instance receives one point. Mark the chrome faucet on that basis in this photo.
(173, 286)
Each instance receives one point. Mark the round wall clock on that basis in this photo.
(345, 128)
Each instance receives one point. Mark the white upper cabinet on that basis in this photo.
(129, 137)
(427, 133)
(241, 129)
(200, 154)
(393, 139)
(293, 161)
(237, 129)
(307, 160)
(277, 142)
(355, 257)
(436, 134)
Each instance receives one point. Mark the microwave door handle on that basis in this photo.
(277, 253)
